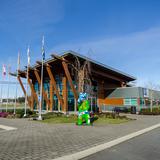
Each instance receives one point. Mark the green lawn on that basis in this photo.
(111, 121)
(61, 120)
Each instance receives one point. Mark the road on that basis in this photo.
(144, 147)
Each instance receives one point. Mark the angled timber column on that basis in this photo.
(20, 82)
(24, 91)
(54, 84)
(43, 91)
(66, 70)
(33, 91)
(65, 94)
(51, 95)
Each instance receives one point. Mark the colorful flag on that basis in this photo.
(28, 55)
(4, 70)
(43, 51)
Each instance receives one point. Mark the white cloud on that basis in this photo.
(136, 53)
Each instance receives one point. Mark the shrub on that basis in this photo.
(111, 115)
(3, 114)
(147, 111)
(19, 113)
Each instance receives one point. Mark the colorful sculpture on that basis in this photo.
(83, 107)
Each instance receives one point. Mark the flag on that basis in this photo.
(43, 51)
(18, 62)
(28, 55)
(4, 70)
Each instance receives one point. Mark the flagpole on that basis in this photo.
(18, 68)
(41, 87)
(8, 88)
(3, 77)
(15, 104)
(28, 64)
(1, 97)
(25, 108)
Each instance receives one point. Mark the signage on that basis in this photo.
(130, 102)
(145, 92)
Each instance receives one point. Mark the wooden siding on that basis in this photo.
(111, 101)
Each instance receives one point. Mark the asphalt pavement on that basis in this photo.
(144, 147)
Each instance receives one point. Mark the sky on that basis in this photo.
(124, 34)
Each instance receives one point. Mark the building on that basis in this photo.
(130, 96)
(61, 85)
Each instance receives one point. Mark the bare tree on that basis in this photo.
(82, 74)
(152, 87)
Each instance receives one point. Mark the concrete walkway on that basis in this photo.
(36, 140)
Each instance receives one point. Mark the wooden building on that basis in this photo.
(60, 86)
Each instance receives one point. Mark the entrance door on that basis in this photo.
(93, 104)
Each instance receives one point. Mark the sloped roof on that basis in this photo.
(98, 63)
(103, 66)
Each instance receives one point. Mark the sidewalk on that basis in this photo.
(36, 140)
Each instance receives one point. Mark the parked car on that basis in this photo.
(120, 109)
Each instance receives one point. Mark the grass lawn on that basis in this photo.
(111, 121)
(72, 119)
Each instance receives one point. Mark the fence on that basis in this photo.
(11, 94)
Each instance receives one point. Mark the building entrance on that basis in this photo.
(93, 104)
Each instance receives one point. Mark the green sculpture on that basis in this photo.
(83, 107)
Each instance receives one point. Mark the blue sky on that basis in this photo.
(124, 34)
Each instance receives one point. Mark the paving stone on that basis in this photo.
(36, 140)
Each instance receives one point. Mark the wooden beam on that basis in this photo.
(21, 84)
(24, 91)
(33, 91)
(65, 94)
(32, 102)
(43, 91)
(54, 84)
(51, 96)
(59, 58)
(65, 67)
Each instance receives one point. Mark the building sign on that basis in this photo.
(145, 92)
(130, 102)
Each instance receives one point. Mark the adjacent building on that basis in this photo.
(130, 96)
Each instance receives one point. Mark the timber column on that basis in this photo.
(24, 91)
(33, 91)
(60, 100)
(43, 91)
(51, 91)
(65, 94)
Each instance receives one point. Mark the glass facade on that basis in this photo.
(71, 99)
(46, 86)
